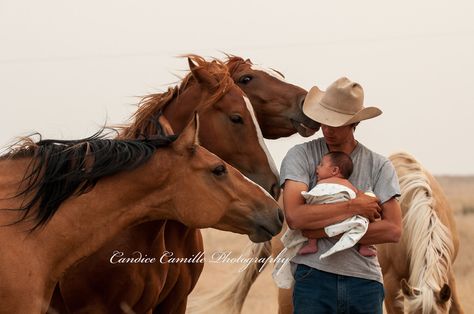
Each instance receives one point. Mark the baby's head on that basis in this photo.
(335, 164)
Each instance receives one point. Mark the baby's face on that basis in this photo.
(325, 169)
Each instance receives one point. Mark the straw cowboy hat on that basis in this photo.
(341, 104)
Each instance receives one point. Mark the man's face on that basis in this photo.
(336, 136)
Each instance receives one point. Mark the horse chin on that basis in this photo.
(307, 128)
(260, 235)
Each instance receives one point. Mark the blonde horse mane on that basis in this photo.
(230, 299)
(428, 241)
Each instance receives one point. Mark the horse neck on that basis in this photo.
(180, 109)
(84, 223)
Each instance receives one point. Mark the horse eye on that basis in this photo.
(245, 79)
(219, 170)
(235, 118)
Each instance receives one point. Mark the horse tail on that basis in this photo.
(428, 241)
(230, 299)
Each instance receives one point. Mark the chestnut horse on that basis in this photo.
(277, 104)
(230, 130)
(62, 200)
(420, 265)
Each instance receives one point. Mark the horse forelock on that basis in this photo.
(429, 244)
(269, 71)
(234, 62)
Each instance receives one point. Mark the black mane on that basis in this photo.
(60, 169)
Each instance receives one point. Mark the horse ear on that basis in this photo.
(165, 125)
(188, 140)
(444, 294)
(200, 74)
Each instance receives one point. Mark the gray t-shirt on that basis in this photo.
(372, 172)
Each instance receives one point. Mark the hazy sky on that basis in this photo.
(66, 67)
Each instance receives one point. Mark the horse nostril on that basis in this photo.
(275, 191)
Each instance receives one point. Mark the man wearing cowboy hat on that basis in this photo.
(345, 282)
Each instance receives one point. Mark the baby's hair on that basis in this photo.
(343, 162)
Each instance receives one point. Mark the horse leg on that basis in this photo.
(285, 301)
(393, 301)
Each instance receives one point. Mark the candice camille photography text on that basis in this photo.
(168, 257)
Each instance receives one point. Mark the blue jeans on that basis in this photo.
(319, 292)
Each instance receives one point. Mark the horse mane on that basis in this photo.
(150, 105)
(428, 241)
(60, 169)
(233, 62)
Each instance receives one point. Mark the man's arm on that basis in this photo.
(387, 230)
(305, 216)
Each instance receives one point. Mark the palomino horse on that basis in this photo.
(277, 104)
(420, 265)
(230, 130)
(62, 200)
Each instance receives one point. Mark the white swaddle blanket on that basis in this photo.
(353, 228)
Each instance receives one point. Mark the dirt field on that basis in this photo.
(262, 297)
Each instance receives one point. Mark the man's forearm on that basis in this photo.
(381, 231)
(312, 217)
(378, 232)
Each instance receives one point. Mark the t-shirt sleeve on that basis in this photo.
(295, 166)
(386, 183)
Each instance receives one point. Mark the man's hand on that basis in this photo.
(366, 206)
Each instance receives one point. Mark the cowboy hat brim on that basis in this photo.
(315, 109)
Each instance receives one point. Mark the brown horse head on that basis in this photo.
(228, 124)
(216, 195)
(278, 104)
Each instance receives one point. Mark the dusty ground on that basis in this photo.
(262, 298)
